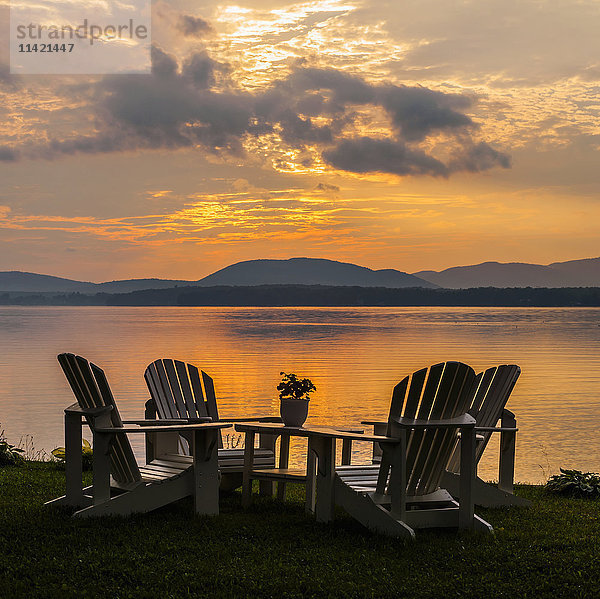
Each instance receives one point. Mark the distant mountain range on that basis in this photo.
(574, 273)
(31, 282)
(311, 271)
(316, 271)
(299, 271)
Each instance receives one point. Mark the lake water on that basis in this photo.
(353, 355)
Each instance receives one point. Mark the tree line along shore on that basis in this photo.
(318, 295)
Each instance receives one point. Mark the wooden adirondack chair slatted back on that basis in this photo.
(440, 392)
(491, 391)
(489, 411)
(91, 390)
(494, 398)
(180, 390)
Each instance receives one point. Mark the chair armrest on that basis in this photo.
(466, 420)
(160, 429)
(351, 435)
(478, 437)
(168, 421)
(496, 429)
(77, 409)
(374, 422)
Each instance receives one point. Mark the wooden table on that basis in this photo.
(319, 474)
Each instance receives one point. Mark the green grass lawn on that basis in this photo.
(274, 550)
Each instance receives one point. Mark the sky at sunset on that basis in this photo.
(417, 134)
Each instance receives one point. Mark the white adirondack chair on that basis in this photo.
(120, 486)
(490, 393)
(180, 390)
(492, 390)
(403, 492)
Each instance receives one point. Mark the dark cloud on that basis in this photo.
(195, 104)
(415, 112)
(103, 143)
(201, 70)
(327, 187)
(8, 154)
(368, 155)
(163, 64)
(418, 111)
(295, 130)
(346, 88)
(192, 26)
(169, 109)
(479, 157)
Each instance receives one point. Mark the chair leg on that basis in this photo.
(267, 487)
(398, 479)
(284, 460)
(73, 460)
(466, 507)
(311, 475)
(206, 472)
(346, 452)
(484, 494)
(506, 468)
(248, 463)
(324, 448)
(143, 498)
(101, 468)
(362, 508)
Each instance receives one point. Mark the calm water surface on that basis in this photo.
(354, 356)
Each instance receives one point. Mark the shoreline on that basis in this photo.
(320, 296)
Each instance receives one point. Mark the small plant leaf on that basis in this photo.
(575, 483)
(291, 387)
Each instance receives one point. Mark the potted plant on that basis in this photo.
(294, 395)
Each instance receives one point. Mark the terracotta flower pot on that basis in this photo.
(294, 411)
